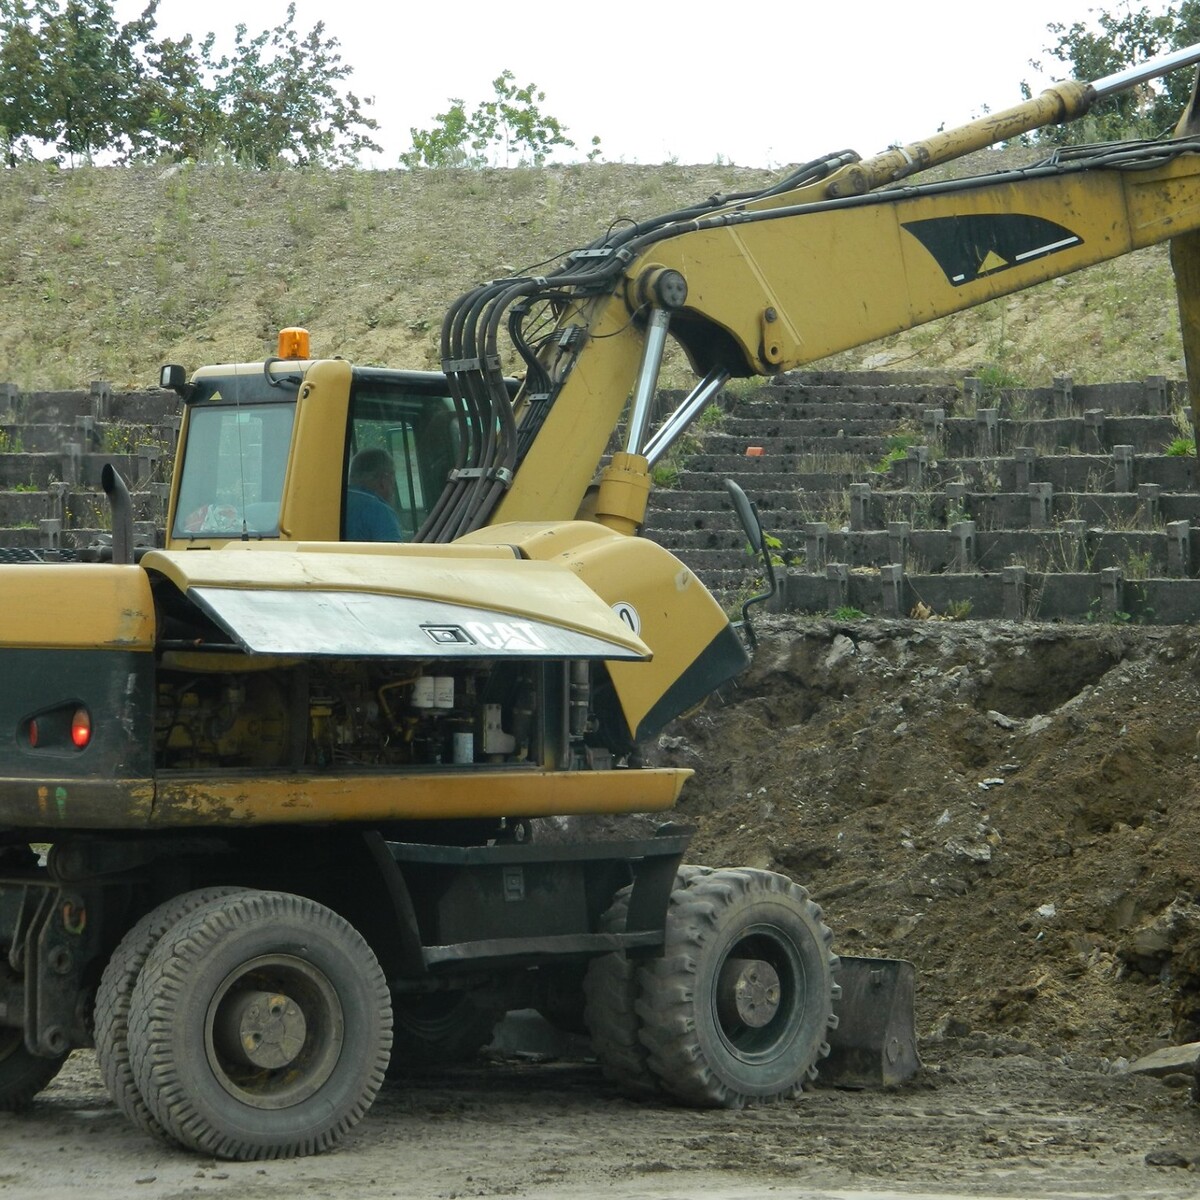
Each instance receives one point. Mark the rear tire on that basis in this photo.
(116, 990)
(22, 1075)
(738, 1008)
(260, 1028)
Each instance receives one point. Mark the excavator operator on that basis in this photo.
(370, 498)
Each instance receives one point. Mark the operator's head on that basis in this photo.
(372, 470)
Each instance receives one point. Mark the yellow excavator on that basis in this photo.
(267, 793)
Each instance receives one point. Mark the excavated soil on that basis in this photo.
(1013, 808)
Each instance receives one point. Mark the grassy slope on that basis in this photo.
(109, 272)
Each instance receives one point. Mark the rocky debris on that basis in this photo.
(1170, 1158)
(1172, 1060)
(1040, 870)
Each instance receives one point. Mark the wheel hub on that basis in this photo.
(264, 1029)
(748, 992)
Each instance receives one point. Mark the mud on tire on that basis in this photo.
(738, 1008)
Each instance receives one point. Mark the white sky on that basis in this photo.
(759, 84)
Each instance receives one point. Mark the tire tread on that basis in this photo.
(165, 979)
(675, 1051)
(116, 990)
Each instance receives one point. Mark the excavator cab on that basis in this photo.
(265, 449)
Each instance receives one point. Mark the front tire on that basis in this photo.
(738, 1008)
(260, 1027)
(611, 988)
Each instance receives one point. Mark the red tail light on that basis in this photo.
(33, 733)
(81, 728)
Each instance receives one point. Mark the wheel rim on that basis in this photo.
(274, 1031)
(757, 993)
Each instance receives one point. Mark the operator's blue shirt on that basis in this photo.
(369, 519)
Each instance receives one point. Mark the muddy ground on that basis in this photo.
(1012, 808)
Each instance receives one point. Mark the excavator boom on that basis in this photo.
(837, 255)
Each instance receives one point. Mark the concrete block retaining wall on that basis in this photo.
(884, 493)
(1055, 503)
(53, 447)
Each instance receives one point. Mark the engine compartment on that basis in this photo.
(341, 714)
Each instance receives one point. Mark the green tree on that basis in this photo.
(1113, 41)
(178, 115)
(511, 125)
(71, 77)
(24, 120)
(280, 101)
(447, 144)
(92, 76)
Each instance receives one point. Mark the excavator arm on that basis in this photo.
(837, 255)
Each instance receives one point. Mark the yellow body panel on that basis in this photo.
(76, 606)
(544, 591)
(562, 461)
(312, 488)
(668, 606)
(380, 549)
(312, 485)
(840, 277)
(442, 795)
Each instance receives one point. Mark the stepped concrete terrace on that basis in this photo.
(895, 494)
(883, 493)
(53, 447)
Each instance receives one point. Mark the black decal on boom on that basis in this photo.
(971, 247)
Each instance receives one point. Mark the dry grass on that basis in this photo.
(109, 272)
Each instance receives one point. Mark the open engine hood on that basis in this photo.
(398, 604)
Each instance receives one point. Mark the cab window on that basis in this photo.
(401, 446)
(233, 466)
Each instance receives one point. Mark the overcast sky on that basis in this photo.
(758, 84)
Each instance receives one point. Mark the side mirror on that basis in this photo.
(173, 378)
(747, 514)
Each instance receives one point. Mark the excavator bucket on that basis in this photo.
(875, 1043)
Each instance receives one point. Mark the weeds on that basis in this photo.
(119, 438)
(897, 451)
(994, 379)
(1096, 615)
(94, 514)
(1138, 566)
(956, 610)
(743, 389)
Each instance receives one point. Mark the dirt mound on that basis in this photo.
(1013, 808)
